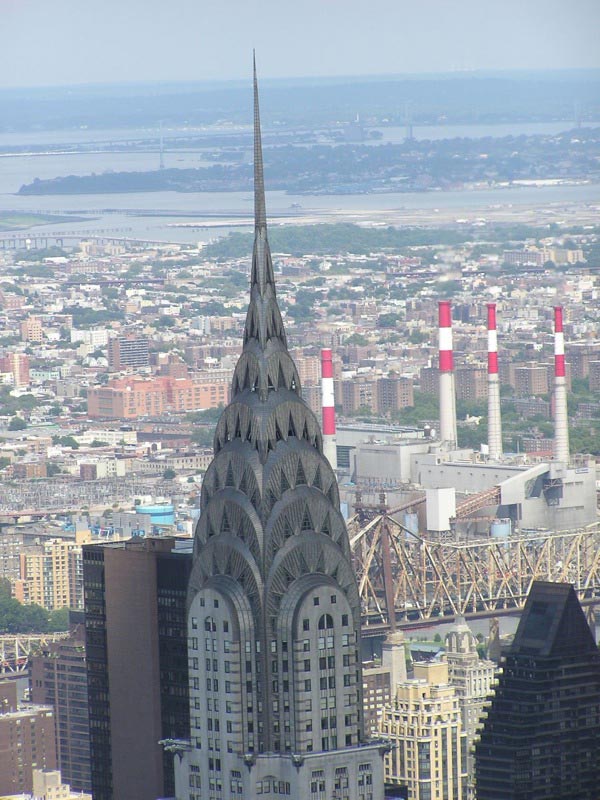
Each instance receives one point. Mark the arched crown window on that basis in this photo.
(325, 622)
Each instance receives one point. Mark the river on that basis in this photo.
(389, 208)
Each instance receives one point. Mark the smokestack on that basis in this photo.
(447, 394)
(561, 421)
(494, 418)
(328, 406)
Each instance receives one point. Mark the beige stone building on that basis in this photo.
(473, 679)
(424, 726)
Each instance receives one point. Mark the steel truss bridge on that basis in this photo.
(15, 649)
(404, 577)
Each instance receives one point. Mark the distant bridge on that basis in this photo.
(43, 240)
(16, 648)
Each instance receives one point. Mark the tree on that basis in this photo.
(357, 338)
(66, 441)
(17, 424)
(388, 320)
(169, 474)
(59, 620)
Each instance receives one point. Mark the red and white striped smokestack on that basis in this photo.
(494, 418)
(446, 363)
(328, 406)
(561, 420)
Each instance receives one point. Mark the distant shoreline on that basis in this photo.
(87, 188)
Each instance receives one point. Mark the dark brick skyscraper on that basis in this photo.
(541, 739)
(137, 663)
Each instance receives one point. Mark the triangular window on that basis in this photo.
(229, 480)
(317, 483)
(300, 475)
(291, 427)
(306, 521)
(225, 526)
(281, 378)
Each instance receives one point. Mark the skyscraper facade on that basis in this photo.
(273, 605)
(541, 737)
(135, 595)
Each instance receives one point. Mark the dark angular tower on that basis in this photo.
(273, 605)
(541, 738)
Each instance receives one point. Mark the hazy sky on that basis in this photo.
(52, 42)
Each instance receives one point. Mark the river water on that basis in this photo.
(205, 207)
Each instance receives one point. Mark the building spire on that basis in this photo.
(260, 208)
(262, 266)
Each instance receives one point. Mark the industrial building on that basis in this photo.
(469, 488)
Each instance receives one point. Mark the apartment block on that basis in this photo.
(127, 352)
(51, 575)
(17, 365)
(394, 394)
(130, 398)
(471, 383)
(27, 741)
(32, 330)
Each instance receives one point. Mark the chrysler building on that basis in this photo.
(273, 605)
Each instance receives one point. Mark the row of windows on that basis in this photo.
(272, 786)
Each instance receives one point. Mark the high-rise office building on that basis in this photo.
(273, 604)
(136, 653)
(59, 679)
(541, 737)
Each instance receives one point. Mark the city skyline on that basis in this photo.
(115, 42)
